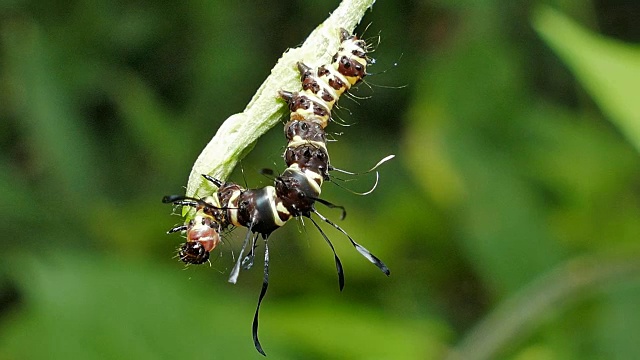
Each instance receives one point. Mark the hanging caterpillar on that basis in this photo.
(297, 189)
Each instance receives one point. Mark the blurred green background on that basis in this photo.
(510, 218)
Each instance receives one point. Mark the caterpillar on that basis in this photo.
(296, 190)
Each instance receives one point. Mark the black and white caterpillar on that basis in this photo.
(296, 191)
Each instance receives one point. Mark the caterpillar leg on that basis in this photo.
(233, 277)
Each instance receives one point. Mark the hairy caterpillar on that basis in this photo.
(296, 191)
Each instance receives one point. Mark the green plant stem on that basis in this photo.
(520, 314)
(239, 132)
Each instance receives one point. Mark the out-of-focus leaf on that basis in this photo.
(14, 193)
(619, 322)
(608, 69)
(589, 204)
(520, 314)
(55, 131)
(338, 330)
(465, 140)
(84, 306)
(150, 121)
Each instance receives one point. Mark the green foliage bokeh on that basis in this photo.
(509, 217)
